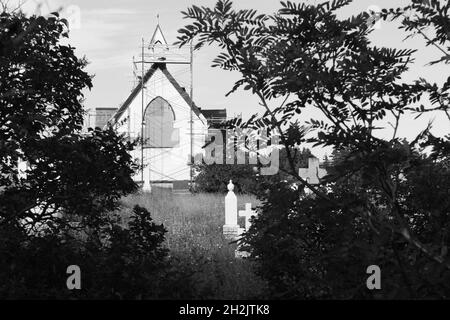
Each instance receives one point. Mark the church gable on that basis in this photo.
(136, 93)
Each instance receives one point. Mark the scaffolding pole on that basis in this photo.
(142, 114)
(191, 114)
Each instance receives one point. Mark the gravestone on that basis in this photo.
(231, 227)
(248, 213)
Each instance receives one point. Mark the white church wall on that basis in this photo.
(166, 164)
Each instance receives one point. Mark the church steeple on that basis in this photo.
(158, 37)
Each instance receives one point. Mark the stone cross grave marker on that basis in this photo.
(231, 229)
(248, 213)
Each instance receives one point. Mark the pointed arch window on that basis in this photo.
(159, 120)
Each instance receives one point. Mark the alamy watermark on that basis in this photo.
(375, 14)
(74, 280)
(241, 147)
(374, 281)
(72, 14)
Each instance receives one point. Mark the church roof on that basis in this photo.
(215, 113)
(215, 116)
(135, 92)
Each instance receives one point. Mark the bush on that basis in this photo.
(246, 178)
(214, 178)
(115, 262)
(311, 249)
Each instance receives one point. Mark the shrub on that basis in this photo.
(115, 262)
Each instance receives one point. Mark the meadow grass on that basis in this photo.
(194, 238)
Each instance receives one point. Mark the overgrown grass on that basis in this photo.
(195, 240)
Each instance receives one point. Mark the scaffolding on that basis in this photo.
(160, 52)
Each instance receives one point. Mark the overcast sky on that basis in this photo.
(110, 33)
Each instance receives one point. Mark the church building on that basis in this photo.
(161, 109)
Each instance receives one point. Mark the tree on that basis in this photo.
(416, 19)
(41, 118)
(60, 211)
(128, 263)
(247, 179)
(246, 176)
(304, 56)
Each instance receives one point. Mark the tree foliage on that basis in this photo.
(60, 210)
(41, 116)
(419, 18)
(372, 208)
(117, 262)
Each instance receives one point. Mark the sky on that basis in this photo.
(109, 32)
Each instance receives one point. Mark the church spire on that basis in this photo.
(158, 36)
